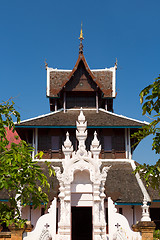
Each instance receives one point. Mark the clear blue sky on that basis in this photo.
(31, 31)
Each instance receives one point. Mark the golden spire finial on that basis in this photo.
(81, 38)
(81, 33)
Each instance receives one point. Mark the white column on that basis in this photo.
(106, 104)
(33, 144)
(64, 102)
(97, 102)
(129, 144)
(126, 142)
(64, 226)
(36, 140)
(55, 105)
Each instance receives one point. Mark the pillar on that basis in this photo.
(146, 229)
(16, 233)
(97, 102)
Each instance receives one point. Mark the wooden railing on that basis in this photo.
(50, 154)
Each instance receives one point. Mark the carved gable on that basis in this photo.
(81, 80)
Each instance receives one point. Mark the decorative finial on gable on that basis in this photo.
(67, 148)
(81, 38)
(95, 147)
(81, 117)
(46, 64)
(116, 63)
(145, 212)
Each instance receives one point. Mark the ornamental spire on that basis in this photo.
(81, 38)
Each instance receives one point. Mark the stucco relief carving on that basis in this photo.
(62, 210)
(67, 213)
(96, 213)
(58, 173)
(45, 235)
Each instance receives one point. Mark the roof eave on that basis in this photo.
(71, 126)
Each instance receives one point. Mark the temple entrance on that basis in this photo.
(81, 223)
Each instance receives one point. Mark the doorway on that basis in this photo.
(81, 223)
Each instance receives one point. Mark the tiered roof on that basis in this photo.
(101, 119)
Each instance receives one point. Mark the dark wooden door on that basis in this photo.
(81, 223)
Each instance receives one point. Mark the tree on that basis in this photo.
(20, 178)
(150, 100)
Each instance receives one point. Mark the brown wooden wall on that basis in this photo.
(50, 142)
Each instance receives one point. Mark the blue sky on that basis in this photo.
(32, 31)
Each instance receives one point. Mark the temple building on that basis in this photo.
(90, 148)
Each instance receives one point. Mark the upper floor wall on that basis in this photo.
(115, 142)
(112, 142)
(71, 88)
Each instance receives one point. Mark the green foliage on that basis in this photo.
(156, 235)
(21, 178)
(150, 98)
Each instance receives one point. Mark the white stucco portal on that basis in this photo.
(81, 175)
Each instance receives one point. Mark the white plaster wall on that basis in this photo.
(82, 177)
(85, 199)
(26, 213)
(128, 212)
(138, 213)
(35, 214)
(81, 189)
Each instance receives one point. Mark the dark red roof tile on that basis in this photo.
(12, 137)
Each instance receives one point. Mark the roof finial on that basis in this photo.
(81, 38)
(46, 64)
(81, 33)
(116, 63)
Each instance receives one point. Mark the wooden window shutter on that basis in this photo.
(55, 143)
(107, 143)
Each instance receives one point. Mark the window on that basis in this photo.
(55, 143)
(118, 143)
(107, 143)
(81, 101)
(44, 142)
